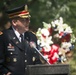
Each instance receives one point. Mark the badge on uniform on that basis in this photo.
(10, 47)
(14, 59)
(14, 37)
(33, 59)
(17, 42)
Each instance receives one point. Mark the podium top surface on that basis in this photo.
(46, 69)
(46, 65)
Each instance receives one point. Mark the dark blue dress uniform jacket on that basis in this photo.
(14, 57)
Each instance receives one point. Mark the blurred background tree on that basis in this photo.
(44, 10)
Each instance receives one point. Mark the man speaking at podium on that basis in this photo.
(15, 50)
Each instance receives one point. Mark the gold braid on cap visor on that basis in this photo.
(22, 14)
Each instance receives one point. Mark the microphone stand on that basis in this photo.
(41, 54)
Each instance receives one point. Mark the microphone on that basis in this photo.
(33, 45)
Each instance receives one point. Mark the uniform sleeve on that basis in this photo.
(36, 54)
(3, 70)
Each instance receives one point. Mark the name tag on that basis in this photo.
(10, 47)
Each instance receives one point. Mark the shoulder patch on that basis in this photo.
(1, 33)
(33, 32)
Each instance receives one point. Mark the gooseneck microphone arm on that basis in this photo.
(40, 54)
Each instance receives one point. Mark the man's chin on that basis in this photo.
(26, 30)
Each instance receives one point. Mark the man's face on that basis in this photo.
(22, 24)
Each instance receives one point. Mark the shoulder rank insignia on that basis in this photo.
(1, 33)
(33, 32)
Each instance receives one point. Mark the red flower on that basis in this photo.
(43, 36)
(61, 34)
(44, 52)
(50, 31)
(52, 57)
(66, 38)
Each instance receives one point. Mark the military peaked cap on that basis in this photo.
(21, 11)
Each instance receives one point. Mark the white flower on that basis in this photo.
(68, 30)
(46, 57)
(73, 38)
(46, 25)
(55, 56)
(47, 48)
(66, 45)
(45, 32)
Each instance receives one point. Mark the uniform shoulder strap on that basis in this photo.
(33, 32)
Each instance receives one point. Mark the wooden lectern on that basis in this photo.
(58, 69)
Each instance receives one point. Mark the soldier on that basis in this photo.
(15, 50)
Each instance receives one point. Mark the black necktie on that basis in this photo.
(22, 41)
(21, 38)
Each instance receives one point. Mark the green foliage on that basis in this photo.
(46, 10)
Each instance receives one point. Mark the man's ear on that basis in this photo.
(14, 22)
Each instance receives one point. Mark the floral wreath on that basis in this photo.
(56, 41)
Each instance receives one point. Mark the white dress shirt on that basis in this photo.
(18, 34)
